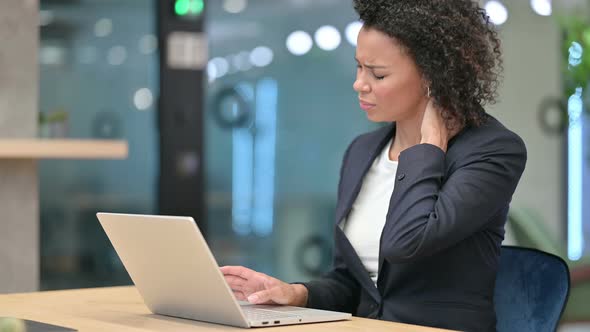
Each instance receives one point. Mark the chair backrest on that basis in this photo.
(532, 288)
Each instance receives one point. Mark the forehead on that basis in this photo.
(376, 46)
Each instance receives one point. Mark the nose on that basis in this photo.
(360, 85)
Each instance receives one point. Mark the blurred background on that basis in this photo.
(237, 112)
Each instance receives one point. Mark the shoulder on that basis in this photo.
(490, 141)
(368, 141)
(488, 137)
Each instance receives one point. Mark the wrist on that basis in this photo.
(301, 294)
(435, 140)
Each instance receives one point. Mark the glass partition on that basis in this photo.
(280, 113)
(98, 80)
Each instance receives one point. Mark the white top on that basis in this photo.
(365, 222)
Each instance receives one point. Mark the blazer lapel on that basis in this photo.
(359, 162)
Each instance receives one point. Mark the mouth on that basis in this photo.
(366, 106)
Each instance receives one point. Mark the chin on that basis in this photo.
(378, 119)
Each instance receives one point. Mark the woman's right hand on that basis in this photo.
(259, 288)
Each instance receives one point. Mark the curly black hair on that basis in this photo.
(454, 45)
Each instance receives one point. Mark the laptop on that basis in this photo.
(176, 274)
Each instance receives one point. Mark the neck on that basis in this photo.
(407, 133)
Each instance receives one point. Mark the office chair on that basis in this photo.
(532, 288)
(530, 230)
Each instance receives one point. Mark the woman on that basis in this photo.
(421, 202)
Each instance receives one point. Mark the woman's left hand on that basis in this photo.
(434, 130)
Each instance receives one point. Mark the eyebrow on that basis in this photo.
(370, 66)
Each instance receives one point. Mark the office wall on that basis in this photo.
(532, 58)
(19, 227)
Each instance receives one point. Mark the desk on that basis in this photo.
(122, 309)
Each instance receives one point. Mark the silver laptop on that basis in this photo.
(176, 274)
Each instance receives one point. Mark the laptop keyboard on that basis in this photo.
(262, 314)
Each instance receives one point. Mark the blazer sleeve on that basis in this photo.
(428, 216)
(338, 289)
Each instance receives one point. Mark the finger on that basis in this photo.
(239, 271)
(225, 275)
(231, 269)
(239, 296)
(262, 297)
(269, 296)
(235, 282)
(278, 290)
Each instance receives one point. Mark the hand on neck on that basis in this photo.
(407, 134)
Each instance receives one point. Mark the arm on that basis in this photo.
(430, 216)
(337, 290)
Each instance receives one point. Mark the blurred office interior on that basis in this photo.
(238, 112)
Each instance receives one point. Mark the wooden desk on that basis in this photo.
(122, 309)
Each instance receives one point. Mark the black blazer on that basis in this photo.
(440, 245)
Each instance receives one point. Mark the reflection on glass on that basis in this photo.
(98, 67)
(264, 156)
(273, 160)
(575, 163)
(542, 7)
(299, 42)
(327, 38)
(496, 11)
(352, 32)
(276, 127)
(242, 169)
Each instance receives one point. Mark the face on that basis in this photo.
(388, 82)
